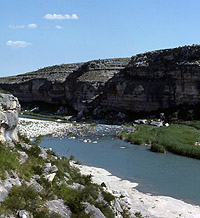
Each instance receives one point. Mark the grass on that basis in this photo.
(179, 139)
(4, 91)
(37, 115)
(8, 161)
(142, 135)
(193, 123)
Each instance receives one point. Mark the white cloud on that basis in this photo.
(32, 26)
(58, 27)
(16, 26)
(61, 17)
(74, 17)
(18, 44)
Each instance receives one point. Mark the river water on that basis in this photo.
(159, 174)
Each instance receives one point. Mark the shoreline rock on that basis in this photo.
(148, 205)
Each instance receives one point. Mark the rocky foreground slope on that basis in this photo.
(34, 182)
(145, 82)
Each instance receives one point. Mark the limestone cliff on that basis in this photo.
(145, 82)
(9, 108)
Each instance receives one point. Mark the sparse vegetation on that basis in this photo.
(25, 197)
(138, 215)
(4, 91)
(50, 117)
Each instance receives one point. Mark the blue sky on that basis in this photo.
(39, 33)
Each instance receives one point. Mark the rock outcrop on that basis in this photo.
(145, 82)
(35, 182)
(9, 108)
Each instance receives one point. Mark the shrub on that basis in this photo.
(21, 198)
(31, 167)
(157, 148)
(8, 160)
(71, 157)
(138, 215)
(107, 196)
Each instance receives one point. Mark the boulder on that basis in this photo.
(24, 214)
(157, 123)
(95, 212)
(9, 109)
(59, 207)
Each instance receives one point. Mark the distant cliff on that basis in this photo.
(145, 82)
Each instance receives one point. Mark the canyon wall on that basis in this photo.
(145, 82)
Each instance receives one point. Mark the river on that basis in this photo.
(159, 174)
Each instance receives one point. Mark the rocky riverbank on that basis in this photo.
(133, 200)
(35, 128)
(147, 204)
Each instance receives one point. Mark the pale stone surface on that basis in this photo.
(23, 214)
(9, 108)
(148, 205)
(59, 207)
(50, 177)
(34, 128)
(96, 213)
(23, 155)
(6, 185)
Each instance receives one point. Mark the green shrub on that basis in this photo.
(105, 209)
(71, 157)
(31, 167)
(71, 197)
(157, 148)
(107, 196)
(138, 215)
(78, 162)
(21, 198)
(8, 161)
(39, 139)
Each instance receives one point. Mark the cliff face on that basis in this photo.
(155, 80)
(145, 82)
(9, 108)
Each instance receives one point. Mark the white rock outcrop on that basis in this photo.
(9, 109)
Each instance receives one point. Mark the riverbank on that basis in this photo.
(179, 139)
(34, 128)
(148, 205)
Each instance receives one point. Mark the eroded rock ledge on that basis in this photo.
(145, 82)
(9, 108)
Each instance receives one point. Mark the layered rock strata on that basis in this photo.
(145, 82)
(9, 109)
